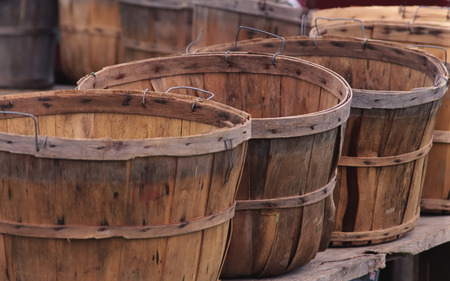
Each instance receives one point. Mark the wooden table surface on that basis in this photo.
(337, 264)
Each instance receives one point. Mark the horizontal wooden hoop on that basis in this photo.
(148, 47)
(127, 232)
(99, 31)
(441, 136)
(374, 235)
(288, 202)
(428, 204)
(385, 161)
(161, 4)
(20, 31)
(368, 99)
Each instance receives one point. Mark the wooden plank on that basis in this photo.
(298, 97)
(221, 26)
(191, 185)
(88, 259)
(75, 126)
(215, 239)
(289, 160)
(321, 167)
(121, 126)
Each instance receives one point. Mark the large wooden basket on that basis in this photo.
(436, 190)
(90, 32)
(285, 211)
(28, 34)
(117, 185)
(389, 132)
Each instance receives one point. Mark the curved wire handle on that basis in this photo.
(303, 25)
(428, 7)
(193, 88)
(261, 31)
(434, 47)
(194, 42)
(333, 19)
(438, 80)
(35, 123)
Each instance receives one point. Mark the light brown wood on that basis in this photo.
(384, 161)
(90, 36)
(386, 13)
(33, 27)
(127, 232)
(143, 206)
(288, 202)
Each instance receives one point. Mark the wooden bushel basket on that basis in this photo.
(117, 185)
(90, 36)
(155, 28)
(219, 19)
(28, 31)
(285, 211)
(388, 134)
(436, 190)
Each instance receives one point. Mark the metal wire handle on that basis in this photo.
(303, 25)
(35, 123)
(333, 19)
(193, 88)
(261, 31)
(428, 7)
(434, 47)
(194, 42)
(431, 7)
(438, 79)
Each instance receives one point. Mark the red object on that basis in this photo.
(325, 4)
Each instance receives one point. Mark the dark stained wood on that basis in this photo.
(28, 32)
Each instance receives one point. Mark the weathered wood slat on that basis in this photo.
(90, 36)
(155, 28)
